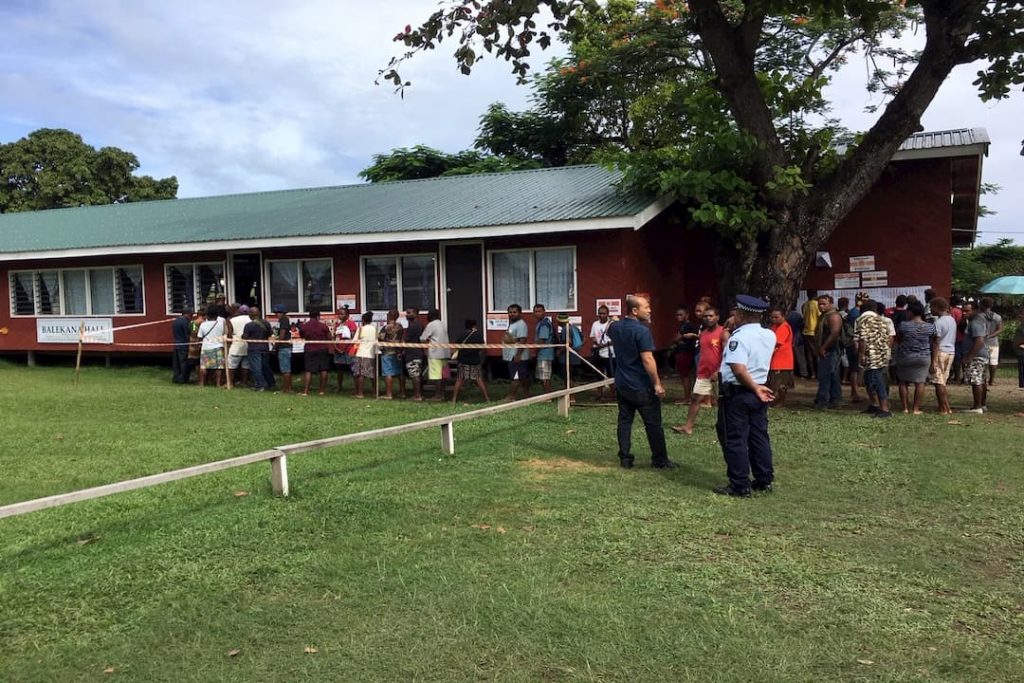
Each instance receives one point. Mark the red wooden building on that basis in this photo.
(468, 245)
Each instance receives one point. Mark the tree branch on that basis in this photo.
(835, 196)
(732, 51)
(819, 68)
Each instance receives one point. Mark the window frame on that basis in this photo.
(532, 251)
(62, 299)
(434, 256)
(268, 290)
(198, 301)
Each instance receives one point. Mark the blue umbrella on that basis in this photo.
(1008, 284)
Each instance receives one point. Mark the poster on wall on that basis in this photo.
(65, 330)
(847, 280)
(614, 306)
(862, 264)
(497, 322)
(342, 300)
(876, 278)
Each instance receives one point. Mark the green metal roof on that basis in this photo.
(472, 201)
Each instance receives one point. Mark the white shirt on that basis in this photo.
(436, 332)
(212, 334)
(238, 323)
(597, 333)
(752, 346)
(890, 324)
(367, 335)
(945, 326)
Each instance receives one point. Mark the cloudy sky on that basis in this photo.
(249, 95)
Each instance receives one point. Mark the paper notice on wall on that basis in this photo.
(861, 264)
(875, 278)
(847, 280)
(576, 320)
(614, 306)
(497, 322)
(343, 300)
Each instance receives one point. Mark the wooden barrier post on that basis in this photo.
(562, 405)
(564, 411)
(448, 438)
(227, 362)
(279, 474)
(78, 359)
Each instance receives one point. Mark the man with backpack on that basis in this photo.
(576, 341)
(852, 366)
(829, 341)
(543, 333)
(994, 321)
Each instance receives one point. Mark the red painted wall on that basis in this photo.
(904, 222)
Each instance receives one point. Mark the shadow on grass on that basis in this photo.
(687, 474)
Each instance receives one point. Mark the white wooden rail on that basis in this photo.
(278, 456)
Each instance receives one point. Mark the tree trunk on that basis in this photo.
(773, 266)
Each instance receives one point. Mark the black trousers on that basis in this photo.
(649, 406)
(743, 432)
(180, 366)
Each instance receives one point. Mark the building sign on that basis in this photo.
(876, 278)
(614, 306)
(862, 264)
(343, 300)
(66, 330)
(847, 280)
(497, 322)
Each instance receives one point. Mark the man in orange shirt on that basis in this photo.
(780, 373)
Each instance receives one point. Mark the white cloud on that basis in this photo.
(247, 95)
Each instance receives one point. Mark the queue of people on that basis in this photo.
(738, 365)
(909, 346)
(232, 346)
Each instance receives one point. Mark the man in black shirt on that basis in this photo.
(637, 385)
(470, 361)
(256, 332)
(414, 356)
(180, 329)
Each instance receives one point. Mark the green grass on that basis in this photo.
(889, 552)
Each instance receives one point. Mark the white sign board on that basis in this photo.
(66, 330)
(497, 322)
(614, 306)
(862, 264)
(876, 278)
(343, 300)
(847, 280)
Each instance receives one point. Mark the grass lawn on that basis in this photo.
(890, 551)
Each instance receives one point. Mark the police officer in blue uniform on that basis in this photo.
(743, 406)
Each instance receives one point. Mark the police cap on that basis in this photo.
(752, 304)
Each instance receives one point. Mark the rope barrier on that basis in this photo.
(378, 345)
(343, 342)
(93, 333)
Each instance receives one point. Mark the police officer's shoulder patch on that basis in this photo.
(733, 345)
